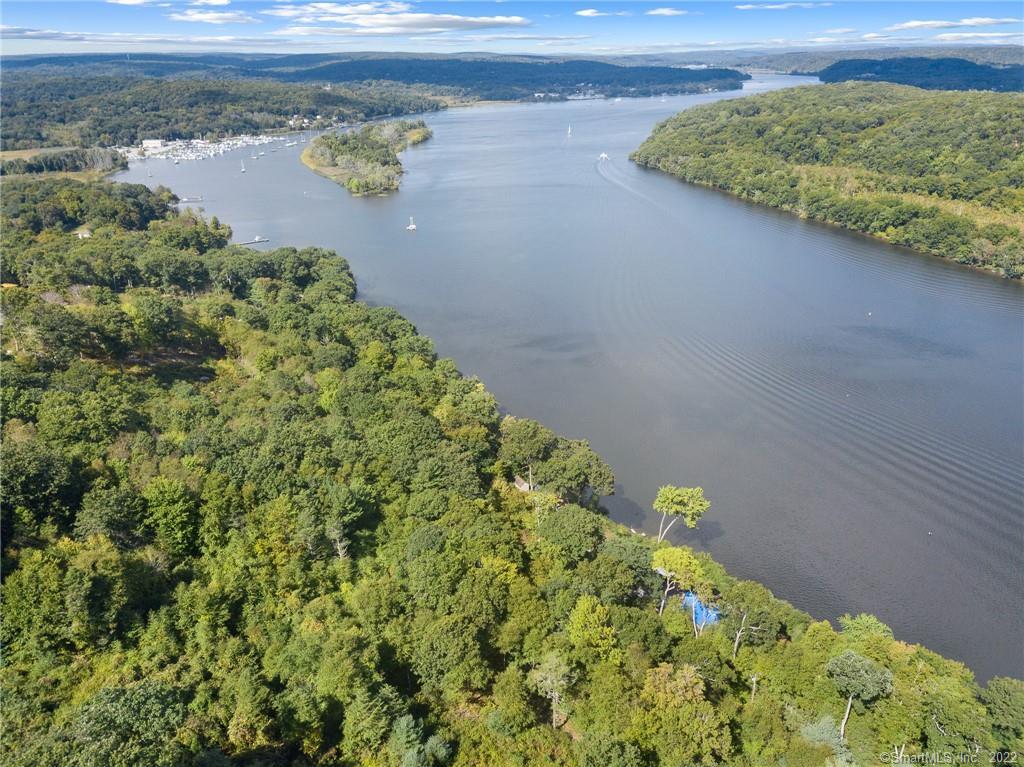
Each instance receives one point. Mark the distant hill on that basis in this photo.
(478, 75)
(117, 100)
(503, 79)
(800, 62)
(933, 74)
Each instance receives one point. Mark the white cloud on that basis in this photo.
(840, 31)
(331, 11)
(874, 36)
(210, 2)
(213, 17)
(379, 18)
(500, 37)
(592, 13)
(779, 6)
(977, 21)
(128, 38)
(666, 12)
(424, 24)
(992, 37)
(512, 36)
(128, 2)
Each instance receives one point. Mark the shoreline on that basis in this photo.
(993, 271)
(735, 197)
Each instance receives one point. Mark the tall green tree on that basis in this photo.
(686, 503)
(748, 615)
(551, 678)
(524, 444)
(680, 569)
(857, 677)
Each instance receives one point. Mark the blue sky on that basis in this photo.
(604, 27)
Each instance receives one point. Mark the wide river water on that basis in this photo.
(853, 410)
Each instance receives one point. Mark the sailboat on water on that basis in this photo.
(243, 166)
(412, 225)
(569, 134)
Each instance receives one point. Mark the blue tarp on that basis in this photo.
(703, 615)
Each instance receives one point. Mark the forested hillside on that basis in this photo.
(499, 78)
(118, 111)
(102, 100)
(933, 73)
(250, 520)
(941, 172)
(475, 75)
(365, 161)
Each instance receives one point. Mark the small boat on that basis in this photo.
(569, 134)
(291, 143)
(243, 166)
(603, 156)
(262, 153)
(176, 161)
(412, 225)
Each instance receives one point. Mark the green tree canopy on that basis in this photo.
(686, 503)
(858, 677)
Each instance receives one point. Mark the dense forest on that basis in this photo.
(502, 79)
(365, 161)
(250, 520)
(65, 161)
(941, 172)
(487, 76)
(932, 73)
(114, 111)
(83, 101)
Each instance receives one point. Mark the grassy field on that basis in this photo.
(24, 154)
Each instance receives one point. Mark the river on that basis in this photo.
(853, 410)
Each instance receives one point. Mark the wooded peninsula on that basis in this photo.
(365, 161)
(937, 171)
(248, 519)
